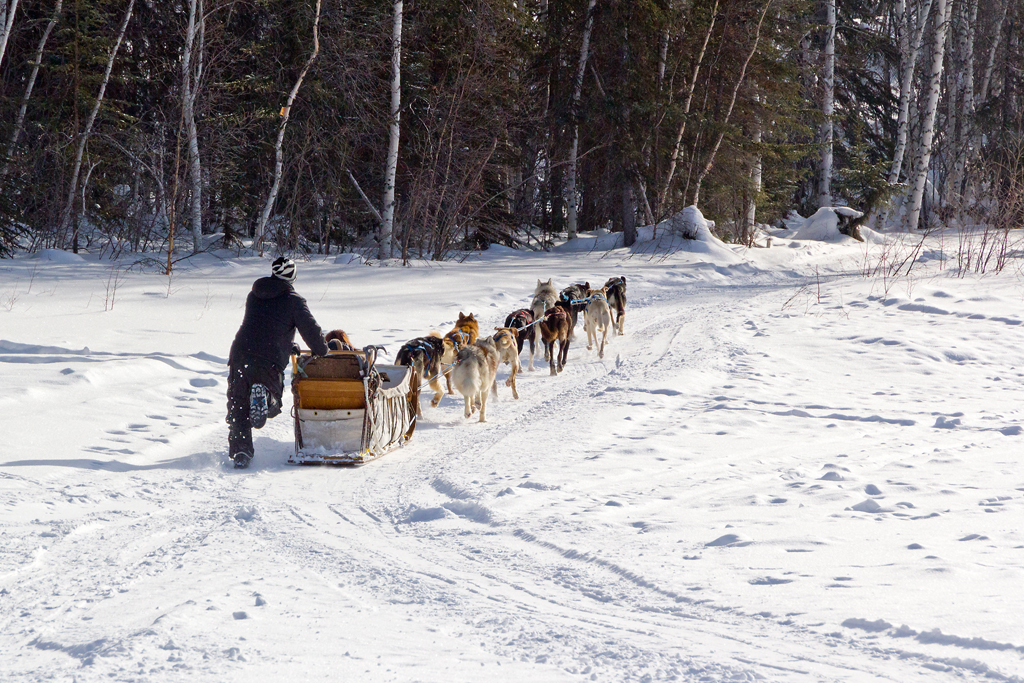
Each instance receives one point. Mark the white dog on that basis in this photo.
(473, 376)
(597, 318)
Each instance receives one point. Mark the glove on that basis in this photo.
(296, 351)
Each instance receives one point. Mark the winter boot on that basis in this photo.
(258, 407)
(242, 460)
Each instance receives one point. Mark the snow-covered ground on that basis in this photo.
(784, 471)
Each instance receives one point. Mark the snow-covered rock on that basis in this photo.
(690, 224)
(828, 224)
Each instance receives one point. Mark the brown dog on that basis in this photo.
(466, 332)
(342, 341)
(556, 325)
(505, 340)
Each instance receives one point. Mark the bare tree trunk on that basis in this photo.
(6, 26)
(963, 98)
(83, 138)
(645, 204)
(991, 61)
(732, 103)
(910, 47)
(755, 190)
(923, 159)
(677, 148)
(628, 213)
(663, 50)
(190, 77)
(369, 204)
(828, 106)
(577, 92)
(387, 224)
(285, 113)
(20, 122)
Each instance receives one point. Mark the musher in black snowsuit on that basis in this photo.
(260, 352)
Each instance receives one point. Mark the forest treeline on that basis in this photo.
(429, 126)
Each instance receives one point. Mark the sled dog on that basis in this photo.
(423, 355)
(340, 339)
(465, 333)
(616, 287)
(474, 374)
(522, 322)
(597, 317)
(544, 297)
(555, 326)
(575, 298)
(505, 340)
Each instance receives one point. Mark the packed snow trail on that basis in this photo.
(693, 507)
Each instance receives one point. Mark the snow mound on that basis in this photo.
(348, 258)
(59, 256)
(596, 240)
(694, 230)
(824, 225)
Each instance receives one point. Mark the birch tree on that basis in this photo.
(285, 114)
(577, 92)
(6, 24)
(962, 97)
(728, 112)
(911, 34)
(827, 106)
(391, 168)
(191, 74)
(691, 87)
(931, 101)
(19, 123)
(991, 61)
(83, 136)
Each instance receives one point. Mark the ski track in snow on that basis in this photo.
(633, 519)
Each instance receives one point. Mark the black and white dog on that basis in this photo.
(423, 355)
(575, 298)
(616, 287)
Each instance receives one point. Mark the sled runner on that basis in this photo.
(349, 409)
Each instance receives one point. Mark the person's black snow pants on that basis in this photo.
(241, 377)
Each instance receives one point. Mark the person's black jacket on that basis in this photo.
(273, 311)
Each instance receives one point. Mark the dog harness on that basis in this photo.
(459, 338)
(420, 345)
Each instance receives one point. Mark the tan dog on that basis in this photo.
(544, 297)
(505, 340)
(597, 317)
(474, 374)
(466, 332)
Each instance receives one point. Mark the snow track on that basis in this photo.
(694, 507)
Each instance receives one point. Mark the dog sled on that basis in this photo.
(349, 409)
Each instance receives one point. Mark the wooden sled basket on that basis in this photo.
(349, 409)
